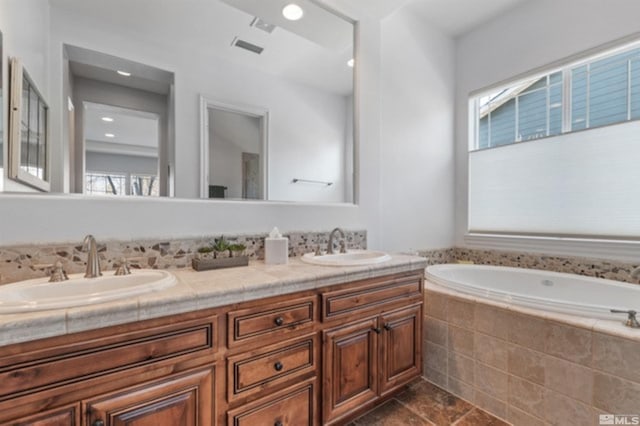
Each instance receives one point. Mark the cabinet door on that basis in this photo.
(185, 400)
(401, 347)
(350, 368)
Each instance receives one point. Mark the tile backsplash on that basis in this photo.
(599, 268)
(31, 261)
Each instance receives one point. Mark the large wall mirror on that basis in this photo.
(213, 99)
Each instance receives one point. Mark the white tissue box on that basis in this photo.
(276, 251)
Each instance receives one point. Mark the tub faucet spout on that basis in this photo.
(631, 317)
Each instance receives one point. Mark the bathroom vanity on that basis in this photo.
(263, 345)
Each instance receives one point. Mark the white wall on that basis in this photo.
(417, 167)
(31, 219)
(25, 28)
(530, 36)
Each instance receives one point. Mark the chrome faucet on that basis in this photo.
(631, 321)
(93, 261)
(635, 273)
(343, 246)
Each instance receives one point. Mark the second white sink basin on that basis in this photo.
(350, 258)
(40, 295)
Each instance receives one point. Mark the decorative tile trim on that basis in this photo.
(600, 268)
(19, 263)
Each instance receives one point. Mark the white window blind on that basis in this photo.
(582, 183)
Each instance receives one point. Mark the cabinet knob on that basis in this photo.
(377, 330)
(388, 327)
(279, 321)
(278, 366)
(278, 423)
(98, 422)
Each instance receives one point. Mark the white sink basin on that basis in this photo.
(39, 294)
(350, 258)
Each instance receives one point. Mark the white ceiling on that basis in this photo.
(456, 17)
(297, 51)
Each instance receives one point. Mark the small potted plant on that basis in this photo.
(237, 249)
(220, 254)
(205, 252)
(221, 248)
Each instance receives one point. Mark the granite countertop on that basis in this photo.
(195, 291)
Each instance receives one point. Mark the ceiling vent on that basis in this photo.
(262, 25)
(247, 46)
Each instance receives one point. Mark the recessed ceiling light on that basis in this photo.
(124, 73)
(292, 12)
(110, 135)
(107, 119)
(351, 62)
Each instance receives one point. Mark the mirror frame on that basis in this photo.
(254, 111)
(17, 73)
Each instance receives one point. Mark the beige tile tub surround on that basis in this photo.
(599, 268)
(24, 262)
(530, 367)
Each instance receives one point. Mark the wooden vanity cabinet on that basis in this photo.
(375, 346)
(316, 357)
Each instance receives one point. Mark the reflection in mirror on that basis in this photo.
(2, 110)
(240, 52)
(236, 140)
(121, 151)
(120, 138)
(29, 148)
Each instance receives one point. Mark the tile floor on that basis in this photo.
(424, 404)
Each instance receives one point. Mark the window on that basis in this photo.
(105, 183)
(579, 174)
(98, 183)
(602, 91)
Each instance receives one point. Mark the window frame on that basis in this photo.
(575, 245)
(566, 68)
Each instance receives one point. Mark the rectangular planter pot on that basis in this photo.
(225, 262)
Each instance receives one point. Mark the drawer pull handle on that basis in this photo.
(278, 366)
(98, 422)
(279, 321)
(377, 330)
(278, 423)
(388, 327)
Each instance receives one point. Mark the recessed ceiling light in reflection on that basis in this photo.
(292, 12)
(351, 62)
(110, 135)
(124, 73)
(107, 119)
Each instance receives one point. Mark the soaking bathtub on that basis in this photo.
(550, 291)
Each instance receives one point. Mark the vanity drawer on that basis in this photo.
(294, 406)
(262, 370)
(370, 296)
(100, 356)
(265, 321)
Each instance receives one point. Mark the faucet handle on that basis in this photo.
(318, 252)
(631, 317)
(123, 267)
(58, 274)
(343, 246)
